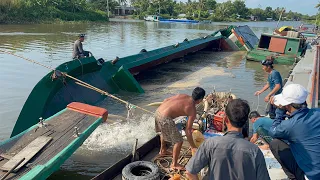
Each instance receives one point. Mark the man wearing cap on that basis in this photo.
(78, 51)
(301, 157)
(274, 83)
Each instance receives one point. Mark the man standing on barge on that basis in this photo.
(274, 83)
(171, 108)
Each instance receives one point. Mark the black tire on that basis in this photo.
(141, 170)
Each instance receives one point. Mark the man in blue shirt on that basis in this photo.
(302, 131)
(274, 83)
(260, 126)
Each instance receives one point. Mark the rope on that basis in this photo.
(30, 60)
(81, 66)
(166, 168)
(79, 82)
(258, 102)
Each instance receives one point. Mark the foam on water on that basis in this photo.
(120, 137)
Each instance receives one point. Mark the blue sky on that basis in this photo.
(301, 6)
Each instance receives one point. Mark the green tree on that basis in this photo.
(240, 8)
(211, 4)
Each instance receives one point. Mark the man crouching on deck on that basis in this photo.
(173, 107)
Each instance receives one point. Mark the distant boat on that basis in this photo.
(154, 18)
(179, 20)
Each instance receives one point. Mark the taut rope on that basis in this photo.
(79, 82)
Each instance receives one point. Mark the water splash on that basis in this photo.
(120, 137)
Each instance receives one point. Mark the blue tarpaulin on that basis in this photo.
(250, 39)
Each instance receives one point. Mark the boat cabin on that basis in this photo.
(282, 49)
(280, 44)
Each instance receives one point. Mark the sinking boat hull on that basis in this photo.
(51, 95)
(260, 55)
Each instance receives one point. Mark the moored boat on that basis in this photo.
(41, 149)
(281, 49)
(154, 18)
(179, 20)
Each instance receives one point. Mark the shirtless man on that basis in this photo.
(173, 107)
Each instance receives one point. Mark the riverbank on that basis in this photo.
(86, 16)
(25, 12)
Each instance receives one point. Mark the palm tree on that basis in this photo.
(318, 6)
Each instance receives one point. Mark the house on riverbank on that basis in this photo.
(124, 10)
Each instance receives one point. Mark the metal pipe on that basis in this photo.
(134, 151)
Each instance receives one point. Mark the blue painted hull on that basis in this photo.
(179, 20)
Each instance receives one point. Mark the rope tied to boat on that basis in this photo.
(164, 164)
(77, 81)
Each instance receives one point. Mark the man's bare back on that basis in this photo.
(178, 105)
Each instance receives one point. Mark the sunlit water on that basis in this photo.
(52, 45)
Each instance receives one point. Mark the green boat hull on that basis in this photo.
(51, 95)
(260, 55)
(65, 141)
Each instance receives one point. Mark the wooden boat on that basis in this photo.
(281, 49)
(55, 91)
(40, 150)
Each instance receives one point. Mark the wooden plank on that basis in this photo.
(5, 156)
(28, 152)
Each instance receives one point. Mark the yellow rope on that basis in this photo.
(78, 81)
(81, 83)
(30, 60)
(170, 173)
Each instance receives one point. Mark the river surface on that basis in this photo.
(52, 45)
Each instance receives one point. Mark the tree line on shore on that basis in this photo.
(15, 11)
(235, 10)
(22, 11)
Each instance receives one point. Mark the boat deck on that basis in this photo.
(165, 162)
(274, 168)
(39, 145)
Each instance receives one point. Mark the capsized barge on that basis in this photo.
(55, 91)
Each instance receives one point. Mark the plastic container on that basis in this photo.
(176, 177)
(218, 121)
